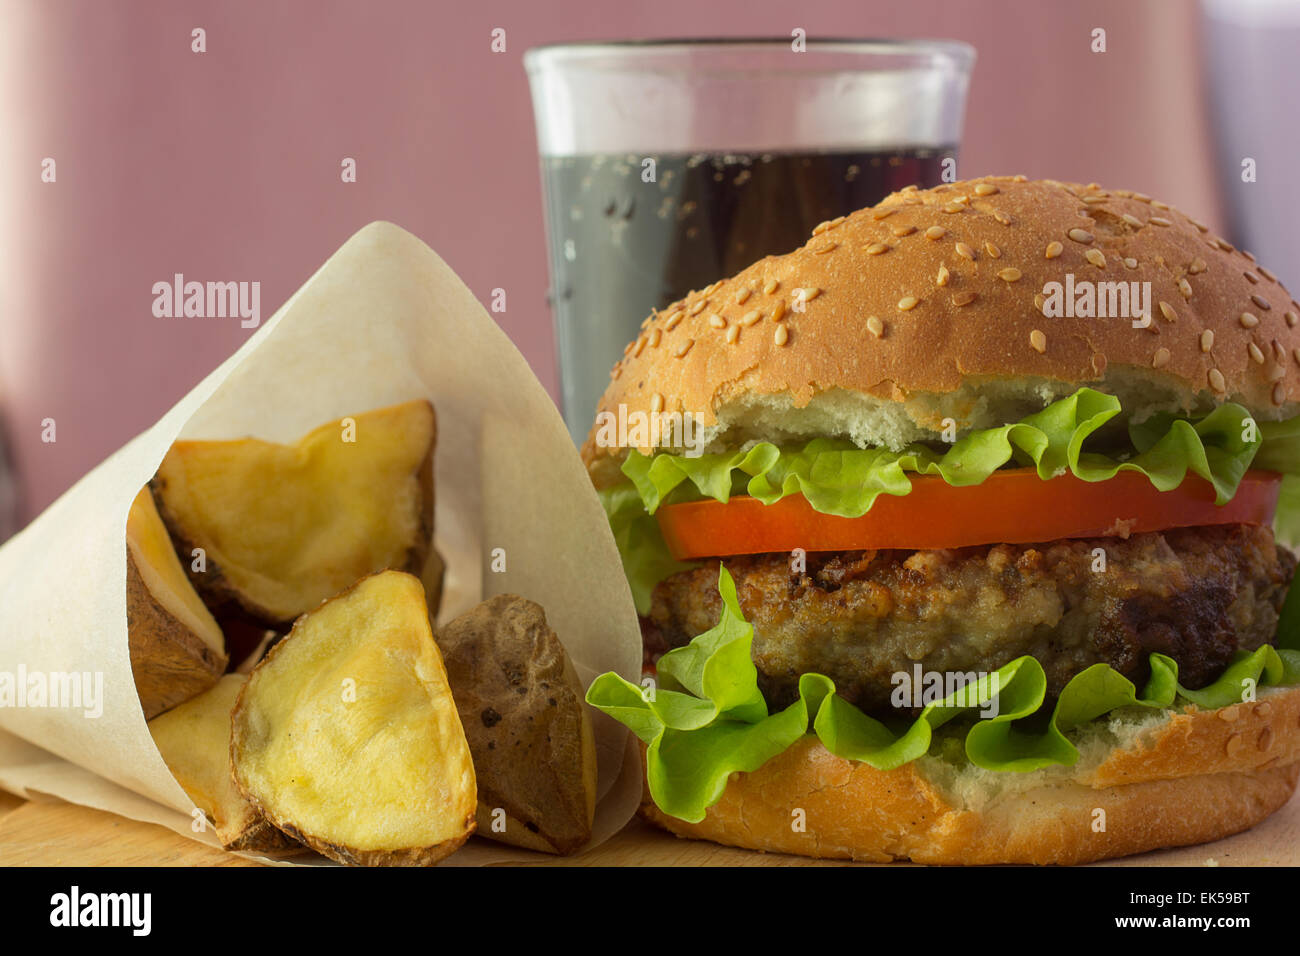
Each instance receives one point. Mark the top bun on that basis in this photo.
(923, 308)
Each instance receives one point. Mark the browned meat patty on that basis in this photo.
(1195, 594)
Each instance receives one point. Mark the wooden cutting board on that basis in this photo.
(64, 834)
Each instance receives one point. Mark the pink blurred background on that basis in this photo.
(225, 165)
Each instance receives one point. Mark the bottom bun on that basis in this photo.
(1140, 784)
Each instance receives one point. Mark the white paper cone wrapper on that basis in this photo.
(385, 320)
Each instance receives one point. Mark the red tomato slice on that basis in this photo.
(1014, 506)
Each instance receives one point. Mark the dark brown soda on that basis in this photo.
(631, 233)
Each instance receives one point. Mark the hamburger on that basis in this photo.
(960, 535)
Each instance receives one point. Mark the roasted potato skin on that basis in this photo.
(523, 711)
(169, 662)
(424, 856)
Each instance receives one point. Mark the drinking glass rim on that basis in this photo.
(958, 51)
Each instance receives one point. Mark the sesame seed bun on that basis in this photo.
(923, 307)
(1167, 781)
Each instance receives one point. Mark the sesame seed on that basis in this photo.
(883, 213)
(1096, 257)
(733, 334)
(909, 189)
(1207, 340)
(993, 250)
(942, 277)
(1020, 178)
(770, 286)
(1039, 301)
(1256, 353)
(1131, 262)
(1295, 353)
(1260, 301)
(1200, 225)
(713, 288)
(1157, 204)
(1279, 353)
(963, 200)
(656, 403)
(1093, 199)
(985, 189)
(1185, 288)
(1001, 217)
(953, 207)
(684, 348)
(876, 248)
(1080, 235)
(1160, 359)
(821, 227)
(965, 251)
(1132, 220)
(1251, 278)
(673, 320)
(935, 232)
(717, 321)
(698, 307)
(1216, 381)
(1249, 320)
(627, 349)
(1267, 275)
(640, 346)
(616, 371)
(1168, 312)
(836, 221)
(655, 336)
(1225, 245)
(907, 303)
(811, 293)
(779, 312)
(1038, 341)
(750, 317)
(1159, 221)
(821, 251)
(1197, 267)
(875, 326)
(1009, 274)
(1054, 249)
(901, 230)
(742, 296)
(781, 335)
(1142, 197)
(1291, 319)
(963, 298)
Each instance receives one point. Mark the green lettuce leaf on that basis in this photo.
(708, 719)
(838, 478)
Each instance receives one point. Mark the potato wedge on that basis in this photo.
(522, 707)
(346, 735)
(284, 527)
(177, 649)
(194, 740)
